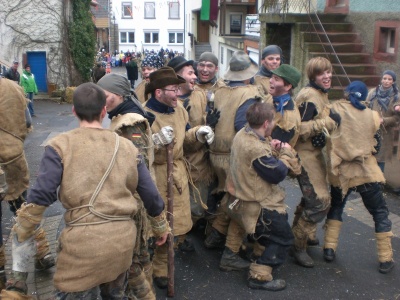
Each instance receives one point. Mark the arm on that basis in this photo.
(240, 117)
(44, 192)
(153, 203)
(393, 118)
(270, 169)
(148, 192)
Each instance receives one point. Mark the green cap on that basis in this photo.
(288, 73)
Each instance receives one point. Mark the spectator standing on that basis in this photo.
(132, 71)
(383, 99)
(13, 73)
(29, 84)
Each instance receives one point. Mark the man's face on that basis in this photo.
(146, 71)
(323, 80)
(272, 61)
(112, 100)
(206, 70)
(169, 95)
(15, 66)
(187, 72)
(277, 86)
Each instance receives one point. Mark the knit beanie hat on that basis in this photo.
(271, 49)
(152, 60)
(357, 91)
(288, 73)
(391, 73)
(208, 56)
(116, 84)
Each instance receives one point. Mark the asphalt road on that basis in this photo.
(353, 275)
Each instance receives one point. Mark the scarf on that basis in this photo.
(263, 71)
(280, 101)
(129, 106)
(383, 96)
(317, 87)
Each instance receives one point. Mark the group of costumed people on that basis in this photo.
(235, 139)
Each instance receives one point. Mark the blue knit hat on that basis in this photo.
(357, 91)
(391, 73)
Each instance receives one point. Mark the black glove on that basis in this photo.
(378, 145)
(335, 117)
(282, 135)
(186, 105)
(319, 140)
(212, 117)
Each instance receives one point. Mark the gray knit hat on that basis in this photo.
(271, 49)
(208, 56)
(116, 84)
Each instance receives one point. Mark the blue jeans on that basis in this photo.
(30, 105)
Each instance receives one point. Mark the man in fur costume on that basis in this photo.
(97, 173)
(316, 120)
(13, 130)
(172, 123)
(254, 198)
(131, 121)
(352, 166)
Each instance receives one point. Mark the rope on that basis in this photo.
(107, 218)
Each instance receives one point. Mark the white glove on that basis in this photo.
(205, 134)
(164, 137)
(22, 253)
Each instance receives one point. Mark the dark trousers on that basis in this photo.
(273, 231)
(373, 200)
(315, 209)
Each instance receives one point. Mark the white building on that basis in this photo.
(232, 25)
(148, 25)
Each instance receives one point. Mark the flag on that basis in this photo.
(205, 10)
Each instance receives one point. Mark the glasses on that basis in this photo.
(174, 90)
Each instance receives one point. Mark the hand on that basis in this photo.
(164, 137)
(397, 108)
(275, 144)
(205, 134)
(162, 239)
(381, 121)
(22, 252)
(285, 146)
(212, 117)
(335, 117)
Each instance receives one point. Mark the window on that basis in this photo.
(236, 23)
(175, 37)
(127, 10)
(151, 37)
(174, 10)
(149, 10)
(386, 40)
(127, 37)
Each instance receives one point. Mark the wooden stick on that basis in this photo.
(170, 218)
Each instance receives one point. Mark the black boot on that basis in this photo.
(186, 246)
(302, 258)
(329, 254)
(273, 285)
(386, 267)
(161, 282)
(215, 240)
(45, 263)
(231, 261)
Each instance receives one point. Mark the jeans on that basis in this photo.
(30, 104)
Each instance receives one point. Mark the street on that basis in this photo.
(353, 275)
